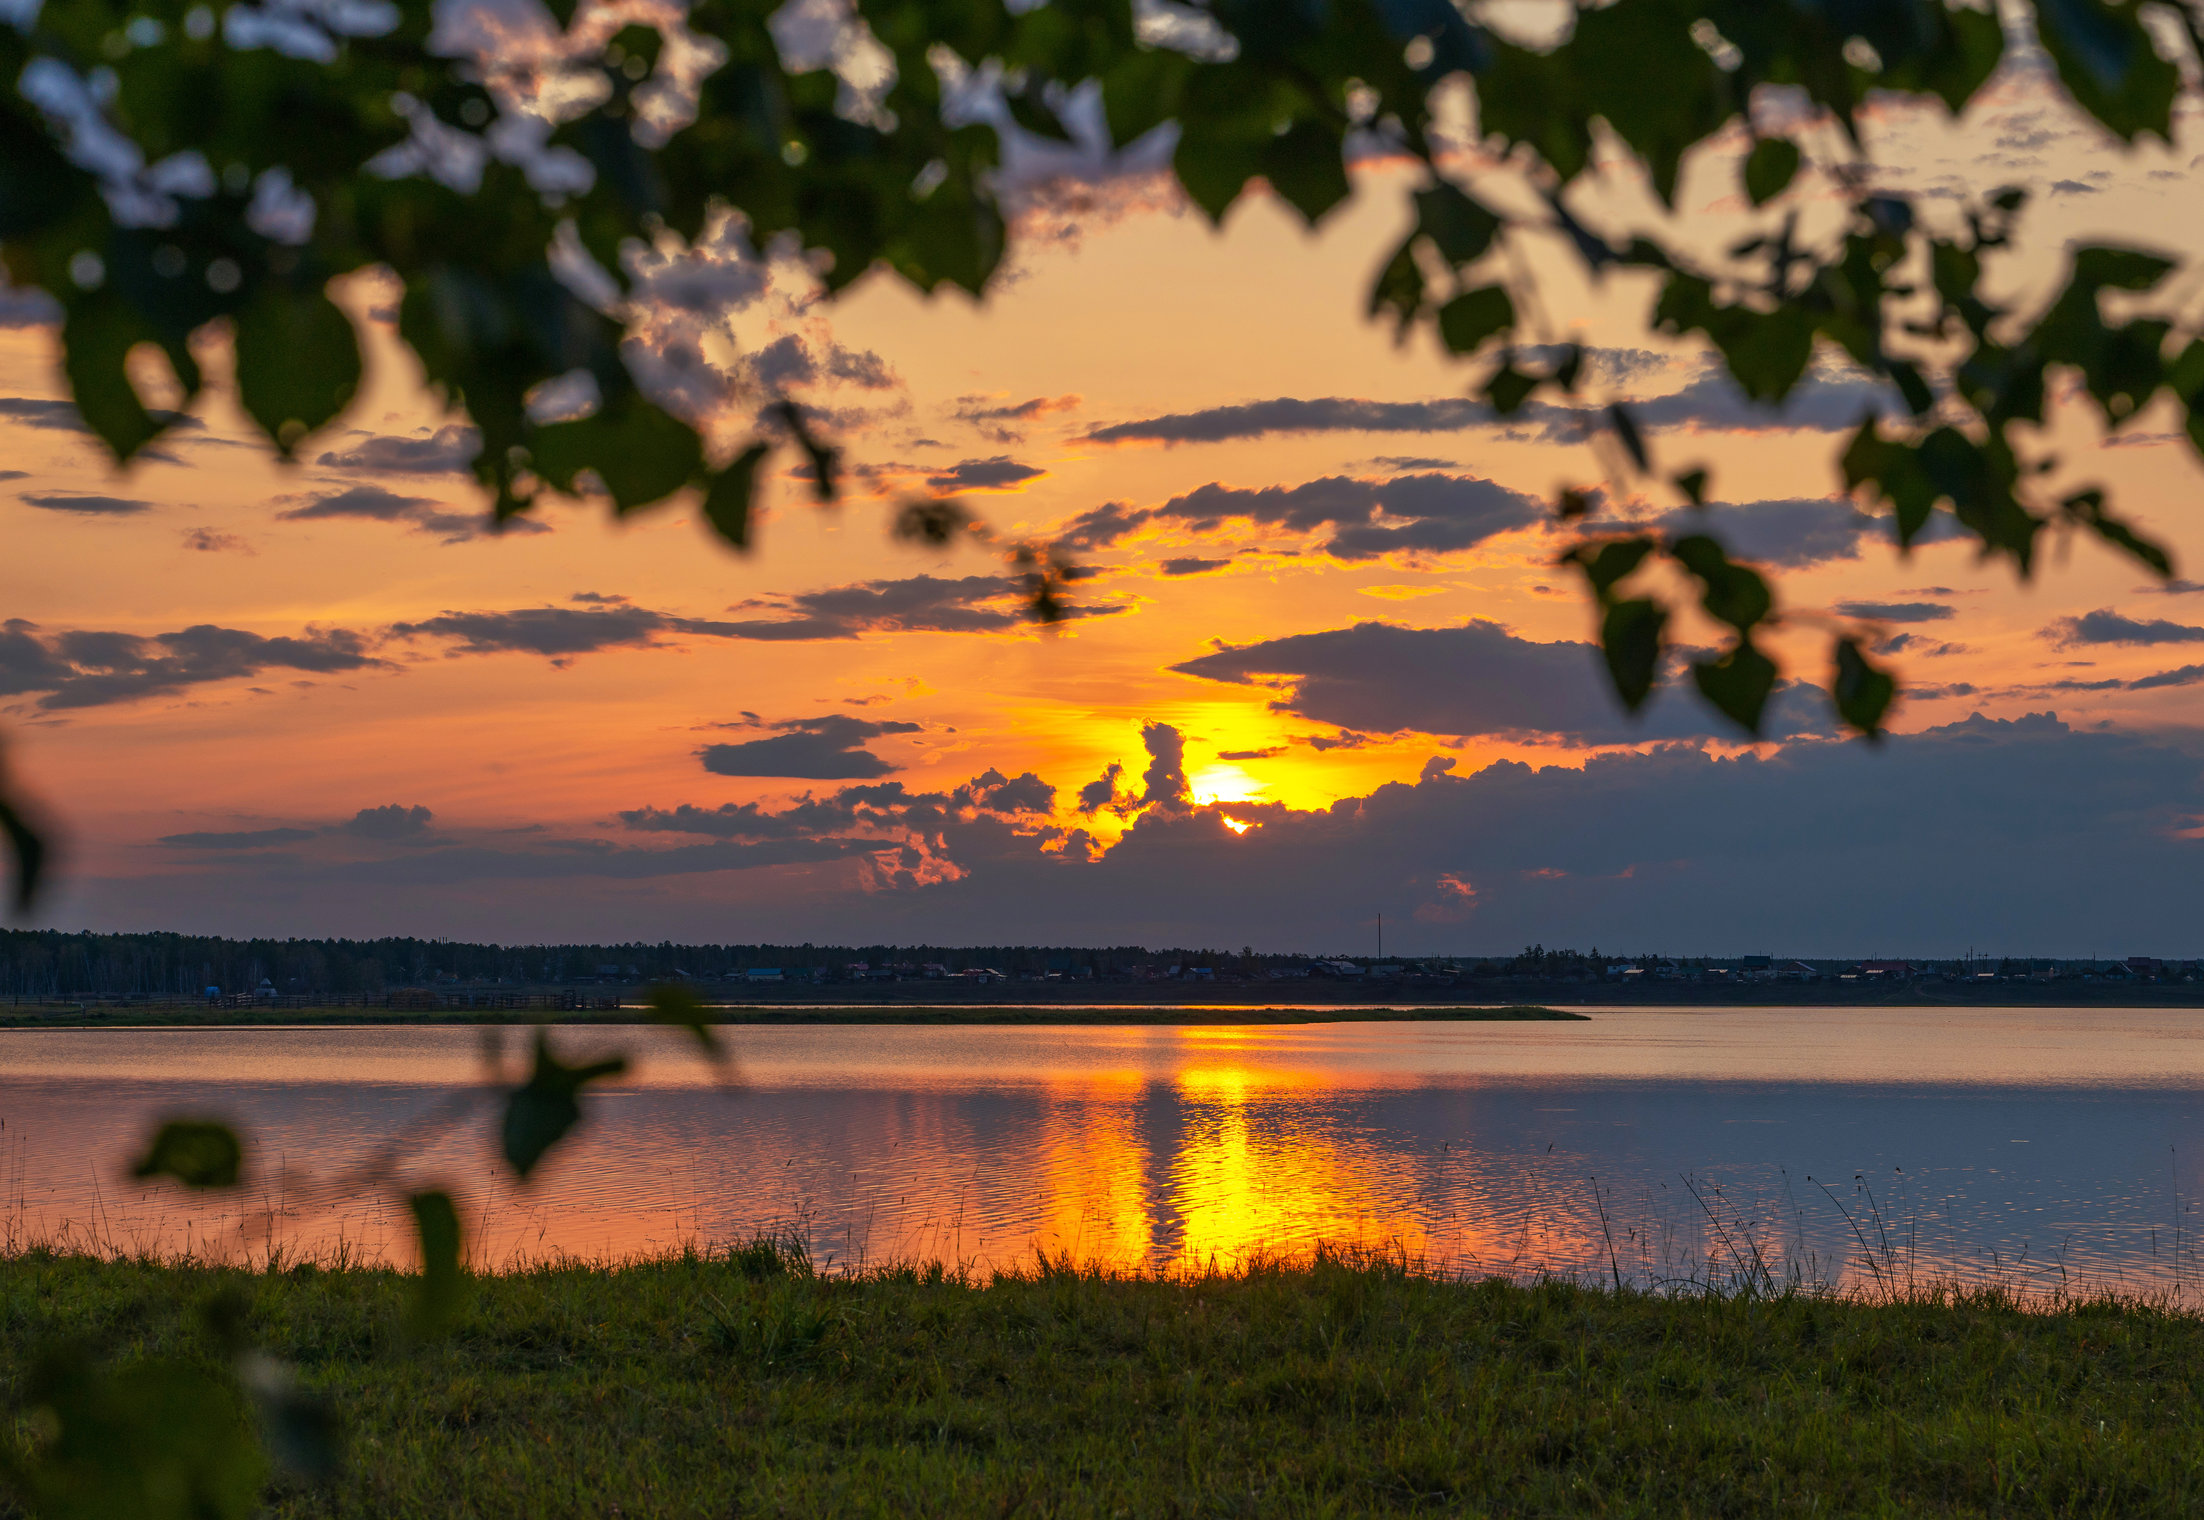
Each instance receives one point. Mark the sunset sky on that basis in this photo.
(1326, 668)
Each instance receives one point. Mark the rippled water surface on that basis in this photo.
(2037, 1147)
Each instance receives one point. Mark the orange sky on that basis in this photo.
(1128, 308)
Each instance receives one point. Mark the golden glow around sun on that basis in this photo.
(1224, 783)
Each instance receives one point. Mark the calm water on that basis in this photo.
(2036, 1147)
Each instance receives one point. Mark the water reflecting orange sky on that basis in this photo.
(1654, 1145)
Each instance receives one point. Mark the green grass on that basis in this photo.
(744, 1385)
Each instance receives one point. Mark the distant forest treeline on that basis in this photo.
(48, 963)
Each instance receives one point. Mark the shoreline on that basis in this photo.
(754, 1015)
(1034, 1004)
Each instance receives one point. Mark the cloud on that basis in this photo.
(84, 668)
(447, 451)
(62, 416)
(2104, 626)
(422, 514)
(1790, 533)
(1363, 519)
(2021, 832)
(558, 633)
(1001, 473)
(813, 749)
(1477, 679)
(1285, 414)
(1164, 783)
(914, 604)
(1102, 790)
(390, 821)
(1002, 421)
(1898, 612)
(87, 506)
(790, 361)
(212, 541)
(1271, 753)
(245, 839)
(1826, 400)
(1191, 566)
(27, 308)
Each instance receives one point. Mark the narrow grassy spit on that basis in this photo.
(743, 1383)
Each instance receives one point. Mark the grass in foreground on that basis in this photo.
(743, 1385)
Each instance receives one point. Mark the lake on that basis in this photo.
(2037, 1148)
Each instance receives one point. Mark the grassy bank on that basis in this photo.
(191, 1017)
(741, 1386)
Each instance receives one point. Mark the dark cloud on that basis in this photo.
(1099, 527)
(1478, 679)
(1164, 783)
(244, 839)
(422, 514)
(2104, 626)
(1004, 421)
(28, 308)
(1898, 612)
(62, 416)
(1824, 401)
(790, 361)
(1363, 519)
(447, 451)
(558, 633)
(87, 506)
(1790, 533)
(2022, 832)
(1252, 754)
(1000, 473)
(1328, 414)
(83, 668)
(831, 748)
(212, 541)
(1102, 790)
(915, 604)
(390, 821)
(1192, 566)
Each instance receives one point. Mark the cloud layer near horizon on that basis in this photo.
(2020, 834)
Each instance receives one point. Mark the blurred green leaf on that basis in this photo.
(1863, 693)
(1630, 639)
(1626, 430)
(2088, 509)
(1737, 684)
(149, 1440)
(824, 458)
(1458, 224)
(1693, 483)
(1509, 388)
(1734, 594)
(1769, 168)
(1470, 318)
(298, 363)
(28, 848)
(642, 453)
(199, 1153)
(299, 1429)
(436, 1233)
(540, 1111)
(671, 1003)
(727, 500)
